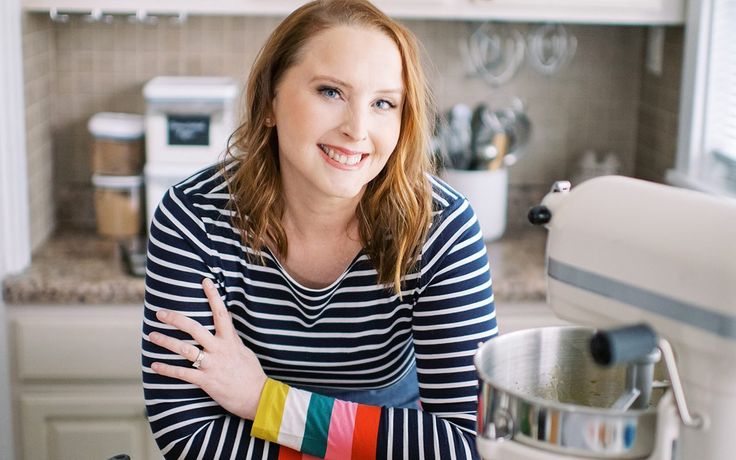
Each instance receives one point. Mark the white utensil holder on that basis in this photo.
(487, 192)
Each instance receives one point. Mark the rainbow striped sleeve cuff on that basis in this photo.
(316, 425)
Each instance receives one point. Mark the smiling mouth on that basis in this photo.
(341, 157)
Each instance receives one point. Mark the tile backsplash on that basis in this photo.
(656, 141)
(39, 70)
(76, 69)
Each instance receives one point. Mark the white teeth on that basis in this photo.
(353, 160)
(348, 160)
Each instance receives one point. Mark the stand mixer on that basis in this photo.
(622, 251)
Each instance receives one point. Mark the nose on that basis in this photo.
(355, 124)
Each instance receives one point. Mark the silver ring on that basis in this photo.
(198, 362)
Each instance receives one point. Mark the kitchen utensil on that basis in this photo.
(494, 52)
(518, 127)
(438, 145)
(621, 250)
(457, 136)
(550, 47)
(500, 143)
(484, 126)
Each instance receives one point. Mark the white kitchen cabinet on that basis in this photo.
(570, 11)
(85, 423)
(588, 11)
(76, 379)
(76, 376)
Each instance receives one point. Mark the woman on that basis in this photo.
(344, 287)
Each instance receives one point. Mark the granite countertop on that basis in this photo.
(82, 268)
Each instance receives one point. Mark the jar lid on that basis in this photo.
(114, 125)
(120, 182)
(190, 89)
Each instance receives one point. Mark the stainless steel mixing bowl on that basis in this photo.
(542, 388)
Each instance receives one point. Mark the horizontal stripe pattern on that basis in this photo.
(352, 334)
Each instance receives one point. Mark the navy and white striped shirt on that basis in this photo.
(353, 334)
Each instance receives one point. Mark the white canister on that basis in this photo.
(117, 143)
(487, 192)
(189, 119)
(118, 205)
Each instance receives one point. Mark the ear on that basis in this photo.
(270, 116)
(270, 113)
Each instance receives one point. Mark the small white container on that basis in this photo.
(189, 119)
(118, 205)
(117, 143)
(487, 192)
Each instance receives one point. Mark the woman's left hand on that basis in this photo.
(228, 370)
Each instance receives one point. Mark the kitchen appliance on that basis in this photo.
(622, 251)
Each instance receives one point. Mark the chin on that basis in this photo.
(347, 194)
(346, 191)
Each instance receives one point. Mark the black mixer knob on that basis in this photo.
(539, 215)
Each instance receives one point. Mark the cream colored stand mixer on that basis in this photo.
(622, 252)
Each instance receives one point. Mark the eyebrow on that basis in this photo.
(337, 81)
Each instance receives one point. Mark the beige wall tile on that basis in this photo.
(595, 102)
(658, 111)
(38, 70)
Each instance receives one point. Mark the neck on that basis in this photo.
(316, 220)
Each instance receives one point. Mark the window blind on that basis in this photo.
(720, 119)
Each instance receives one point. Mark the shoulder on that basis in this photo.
(207, 184)
(196, 201)
(453, 219)
(204, 190)
(447, 203)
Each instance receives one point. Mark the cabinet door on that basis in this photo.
(89, 424)
(593, 11)
(586, 11)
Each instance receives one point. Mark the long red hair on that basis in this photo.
(395, 211)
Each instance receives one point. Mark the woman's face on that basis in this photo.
(338, 112)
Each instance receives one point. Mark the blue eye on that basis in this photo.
(383, 104)
(330, 92)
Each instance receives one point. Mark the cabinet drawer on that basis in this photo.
(86, 343)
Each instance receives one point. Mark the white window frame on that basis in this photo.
(693, 143)
(15, 250)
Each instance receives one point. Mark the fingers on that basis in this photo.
(223, 322)
(187, 374)
(184, 323)
(181, 348)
